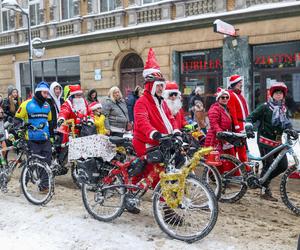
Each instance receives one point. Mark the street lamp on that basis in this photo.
(14, 6)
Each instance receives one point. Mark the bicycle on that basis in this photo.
(181, 201)
(248, 179)
(36, 179)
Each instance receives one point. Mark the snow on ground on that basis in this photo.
(251, 223)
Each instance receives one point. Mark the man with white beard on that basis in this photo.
(172, 96)
(75, 107)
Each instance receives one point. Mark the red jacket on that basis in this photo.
(180, 120)
(238, 109)
(219, 120)
(149, 117)
(67, 112)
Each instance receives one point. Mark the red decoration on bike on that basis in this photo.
(64, 129)
(213, 159)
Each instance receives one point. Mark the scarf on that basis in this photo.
(279, 117)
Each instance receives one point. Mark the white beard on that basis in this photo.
(174, 106)
(79, 105)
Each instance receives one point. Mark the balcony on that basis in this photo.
(105, 21)
(250, 3)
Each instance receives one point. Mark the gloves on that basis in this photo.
(156, 135)
(60, 122)
(90, 123)
(51, 140)
(249, 130)
(189, 127)
(293, 133)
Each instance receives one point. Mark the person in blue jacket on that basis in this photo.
(36, 111)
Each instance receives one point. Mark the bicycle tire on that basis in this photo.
(285, 196)
(39, 170)
(226, 181)
(215, 178)
(210, 204)
(90, 208)
(75, 176)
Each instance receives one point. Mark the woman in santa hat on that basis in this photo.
(220, 120)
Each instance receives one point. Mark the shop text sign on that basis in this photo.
(198, 65)
(277, 59)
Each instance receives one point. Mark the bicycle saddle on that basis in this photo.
(118, 140)
(236, 139)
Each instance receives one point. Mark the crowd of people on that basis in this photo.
(149, 113)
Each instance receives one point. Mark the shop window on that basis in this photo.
(7, 20)
(108, 5)
(63, 70)
(34, 10)
(69, 8)
(202, 69)
(278, 62)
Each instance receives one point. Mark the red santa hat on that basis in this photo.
(75, 89)
(278, 86)
(171, 87)
(221, 92)
(234, 80)
(94, 105)
(152, 73)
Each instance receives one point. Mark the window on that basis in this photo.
(150, 1)
(69, 8)
(108, 5)
(63, 70)
(7, 20)
(34, 10)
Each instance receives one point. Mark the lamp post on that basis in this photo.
(14, 6)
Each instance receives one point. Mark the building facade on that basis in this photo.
(102, 43)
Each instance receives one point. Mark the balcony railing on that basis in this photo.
(5, 39)
(256, 2)
(200, 7)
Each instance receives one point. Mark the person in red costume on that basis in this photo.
(220, 120)
(238, 109)
(172, 96)
(152, 120)
(75, 107)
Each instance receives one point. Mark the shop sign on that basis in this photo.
(224, 28)
(280, 60)
(197, 65)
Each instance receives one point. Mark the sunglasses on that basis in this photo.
(173, 94)
(224, 97)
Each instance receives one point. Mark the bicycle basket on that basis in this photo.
(136, 167)
(88, 171)
(87, 130)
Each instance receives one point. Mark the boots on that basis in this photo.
(266, 194)
(171, 217)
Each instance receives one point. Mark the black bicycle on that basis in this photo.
(236, 181)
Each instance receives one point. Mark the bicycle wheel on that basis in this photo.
(212, 177)
(290, 189)
(233, 185)
(196, 216)
(74, 175)
(37, 182)
(104, 203)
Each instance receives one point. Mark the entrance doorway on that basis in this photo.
(131, 70)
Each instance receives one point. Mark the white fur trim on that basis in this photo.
(237, 127)
(168, 91)
(98, 105)
(154, 86)
(76, 92)
(236, 80)
(152, 133)
(147, 72)
(42, 89)
(242, 107)
(222, 92)
(164, 117)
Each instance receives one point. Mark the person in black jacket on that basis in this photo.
(131, 100)
(11, 103)
(55, 101)
(92, 96)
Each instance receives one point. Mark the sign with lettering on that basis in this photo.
(279, 60)
(224, 28)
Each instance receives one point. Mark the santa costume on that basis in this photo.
(151, 117)
(238, 109)
(175, 106)
(75, 108)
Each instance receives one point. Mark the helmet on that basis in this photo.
(278, 86)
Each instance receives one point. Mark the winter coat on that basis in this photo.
(263, 115)
(100, 124)
(132, 98)
(116, 114)
(11, 105)
(238, 109)
(194, 99)
(55, 103)
(220, 120)
(151, 116)
(89, 96)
